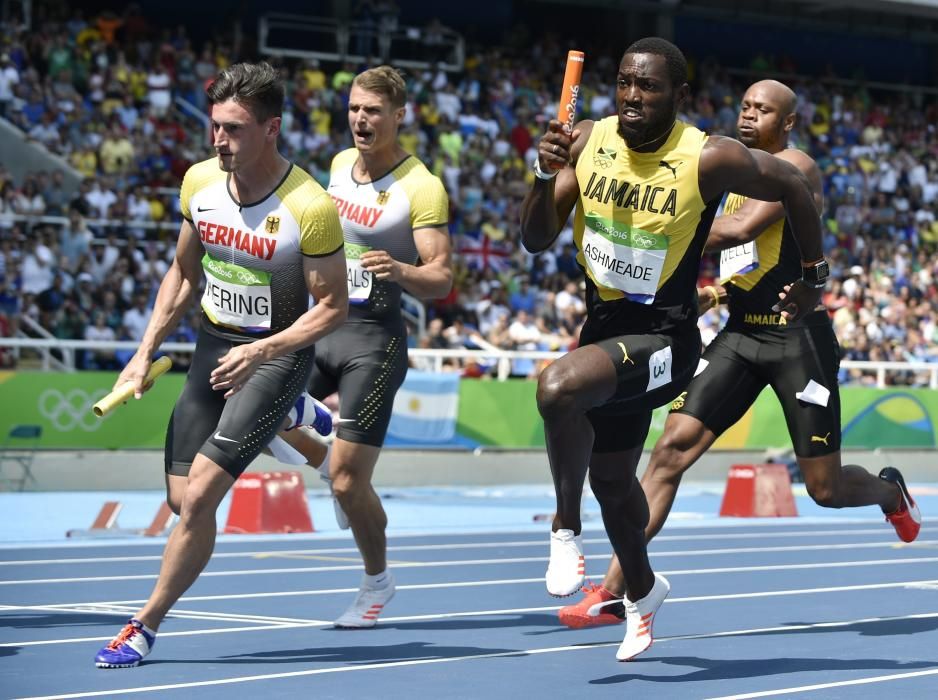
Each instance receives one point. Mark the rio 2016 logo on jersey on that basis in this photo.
(272, 225)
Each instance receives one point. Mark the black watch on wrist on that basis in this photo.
(815, 274)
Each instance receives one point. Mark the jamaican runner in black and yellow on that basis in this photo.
(759, 347)
(645, 187)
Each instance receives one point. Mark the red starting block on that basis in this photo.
(758, 491)
(269, 502)
(105, 524)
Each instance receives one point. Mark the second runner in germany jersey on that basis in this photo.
(383, 215)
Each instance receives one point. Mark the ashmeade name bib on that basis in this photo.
(738, 260)
(359, 279)
(236, 296)
(624, 257)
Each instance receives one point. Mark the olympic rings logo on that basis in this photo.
(70, 411)
(643, 241)
(248, 277)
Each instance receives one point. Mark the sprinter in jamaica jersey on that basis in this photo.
(759, 347)
(645, 188)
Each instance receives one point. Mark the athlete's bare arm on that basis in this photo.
(755, 216)
(176, 293)
(326, 283)
(432, 278)
(728, 166)
(548, 204)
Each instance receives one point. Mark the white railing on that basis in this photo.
(66, 364)
(435, 358)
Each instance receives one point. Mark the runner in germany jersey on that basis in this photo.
(394, 217)
(253, 261)
(383, 215)
(366, 360)
(265, 237)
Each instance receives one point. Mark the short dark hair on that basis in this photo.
(386, 81)
(677, 64)
(255, 86)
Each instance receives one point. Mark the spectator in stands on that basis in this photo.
(158, 90)
(9, 79)
(28, 201)
(36, 270)
(75, 239)
(54, 193)
(136, 318)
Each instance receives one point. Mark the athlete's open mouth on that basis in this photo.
(364, 136)
(631, 115)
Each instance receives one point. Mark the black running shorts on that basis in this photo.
(741, 363)
(366, 363)
(231, 432)
(652, 369)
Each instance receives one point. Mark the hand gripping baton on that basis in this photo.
(125, 391)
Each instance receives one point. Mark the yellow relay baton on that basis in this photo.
(125, 391)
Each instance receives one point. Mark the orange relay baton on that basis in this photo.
(570, 95)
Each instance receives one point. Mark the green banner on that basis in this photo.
(505, 414)
(60, 403)
(502, 414)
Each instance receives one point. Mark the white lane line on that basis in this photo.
(186, 633)
(280, 571)
(453, 659)
(792, 591)
(811, 525)
(469, 562)
(926, 585)
(462, 545)
(836, 684)
(510, 611)
(118, 609)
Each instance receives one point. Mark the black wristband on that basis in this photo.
(816, 274)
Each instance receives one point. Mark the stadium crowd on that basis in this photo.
(101, 92)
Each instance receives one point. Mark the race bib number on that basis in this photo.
(738, 260)
(623, 257)
(659, 368)
(359, 279)
(236, 296)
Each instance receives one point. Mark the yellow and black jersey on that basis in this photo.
(640, 227)
(383, 214)
(764, 267)
(253, 262)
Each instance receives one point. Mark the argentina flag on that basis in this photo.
(425, 407)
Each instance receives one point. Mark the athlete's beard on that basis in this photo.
(649, 134)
